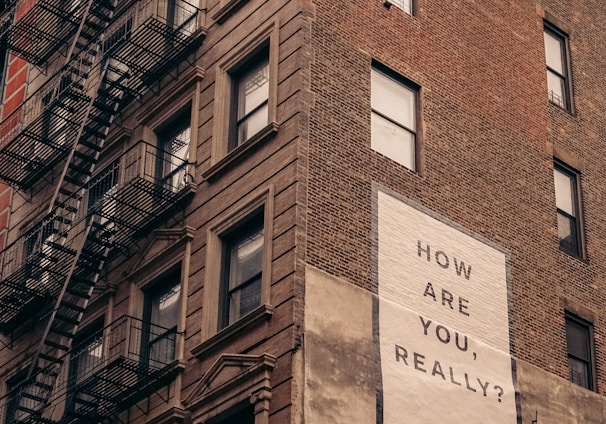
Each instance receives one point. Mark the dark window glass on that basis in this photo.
(579, 344)
(567, 203)
(161, 314)
(242, 270)
(245, 415)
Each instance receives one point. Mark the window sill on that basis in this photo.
(239, 152)
(243, 325)
(227, 9)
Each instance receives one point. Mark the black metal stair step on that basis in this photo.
(91, 146)
(90, 254)
(104, 107)
(60, 247)
(32, 397)
(44, 386)
(28, 411)
(68, 193)
(68, 319)
(57, 346)
(62, 332)
(85, 157)
(72, 307)
(80, 280)
(88, 267)
(101, 119)
(81, 294)
(102, 12)
(95, 132)
(75, 181)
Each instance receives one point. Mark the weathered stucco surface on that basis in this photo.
(339, 366)
(551, 399)
(340, 378)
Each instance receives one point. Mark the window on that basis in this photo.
(567, 197)
(161, 315)
(174, 143)
(14, 401)
(405, 5)
(238, 268)
(86, 358)
(245, 102)
(394, 116)
(101, 187)
(38, 255)
(579, 342)
(558, 84)
(250, 100)
(182, 15)
(242, 270)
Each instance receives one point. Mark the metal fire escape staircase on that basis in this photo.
(74, 244)
(82, 240)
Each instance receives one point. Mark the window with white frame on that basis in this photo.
(405, 5)
(394, 116)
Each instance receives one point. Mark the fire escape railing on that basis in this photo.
(105, 373)
(37, 135)
(151, 38)
(152, 182)
(144, 41)
(39, 28)
(144, 185)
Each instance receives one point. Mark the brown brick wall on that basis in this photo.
(488, 134)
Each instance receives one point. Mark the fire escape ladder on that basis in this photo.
(93, 249)
(96, 18)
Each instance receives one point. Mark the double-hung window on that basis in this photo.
(250, 99)
(556, 57)
(161, 317)
(566, 182)
(579, 343)
(394, 116)
(242, 270)
(176, 144)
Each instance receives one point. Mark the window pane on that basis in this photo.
(253, 88)
(577, 340)
(246, 259)
(393, 99)
(578, 372)
(393, 141)
(90, 356)
(253, 123)
(567, 231)
(245, 299)
(177, 155)
(556, 88)
(553, 52)
(564, 191)
(405, 5)
(165, 308)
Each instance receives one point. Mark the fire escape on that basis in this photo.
(113, 54)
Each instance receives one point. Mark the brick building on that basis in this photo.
(272, 211)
